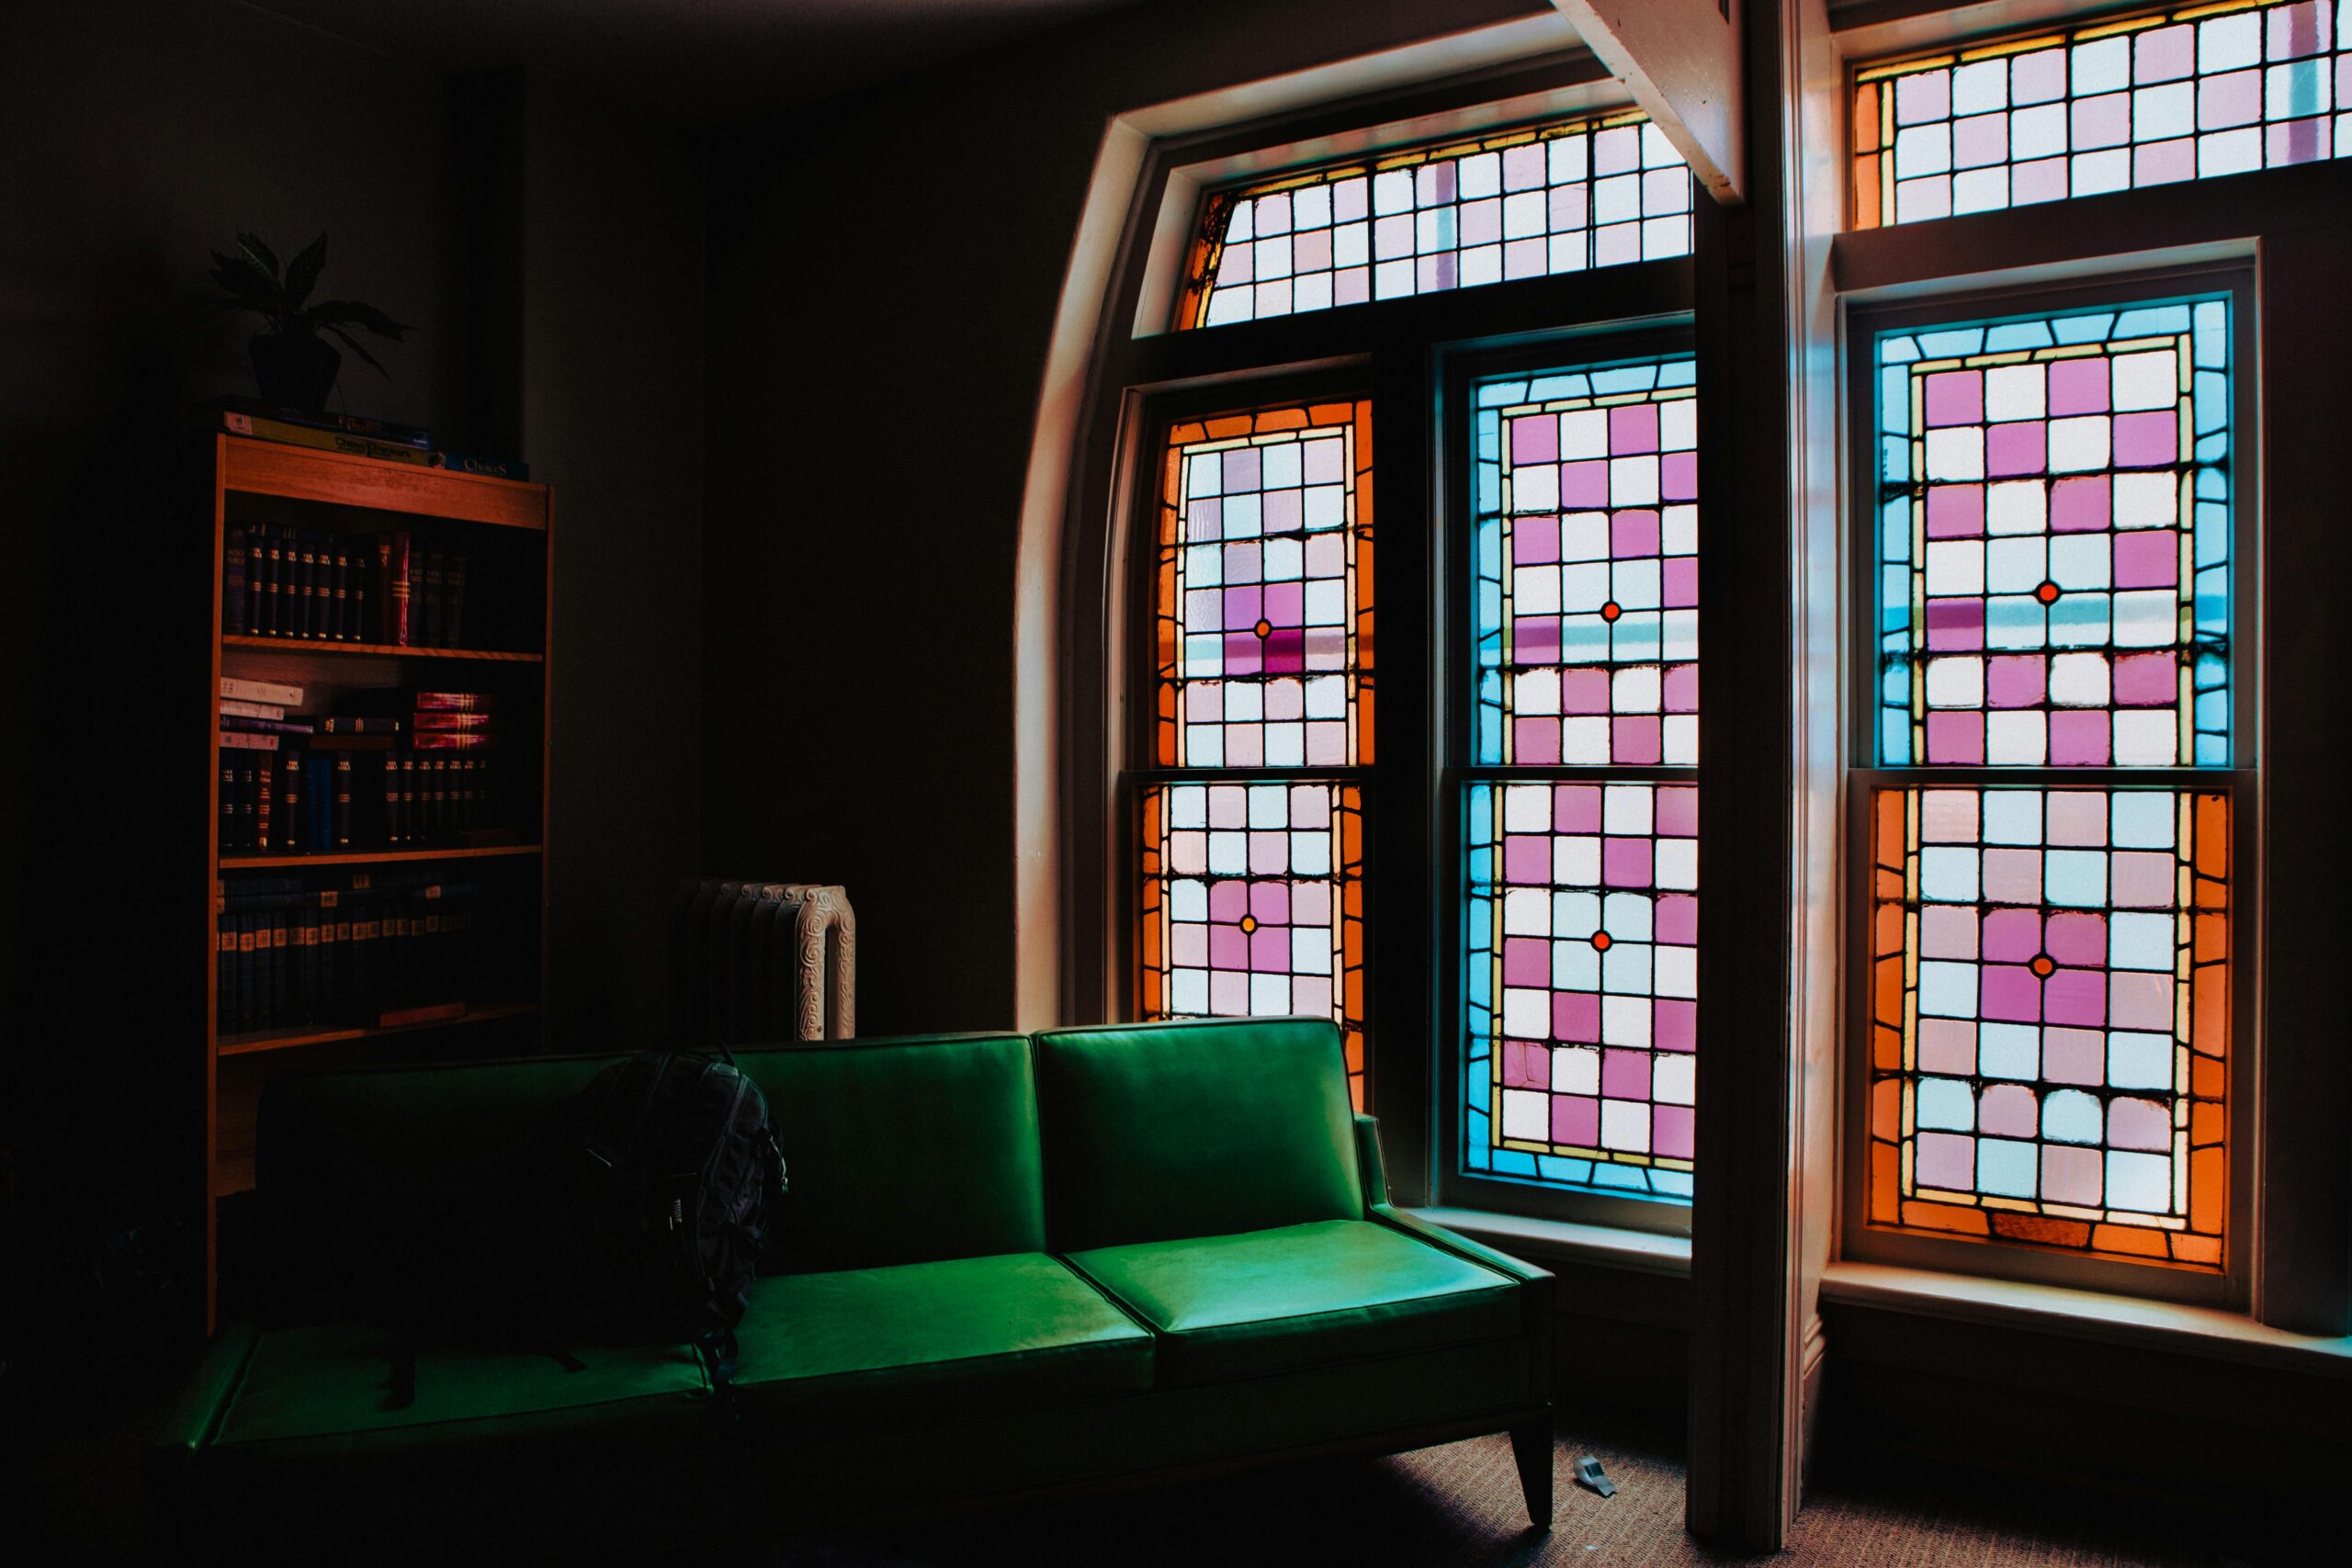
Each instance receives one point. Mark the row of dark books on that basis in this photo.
(359, 437)
(315, 802)
(311, 584)
(375, 949)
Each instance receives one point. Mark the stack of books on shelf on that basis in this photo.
(375, 949)
(393, 770)
(312, 585)
(358, 437)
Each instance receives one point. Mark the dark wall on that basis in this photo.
(884, 276)
(135, 135)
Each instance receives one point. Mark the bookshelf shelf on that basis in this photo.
(374, 649)
(251, 466)
(471, 919)
(247, 1044)
(374, 857)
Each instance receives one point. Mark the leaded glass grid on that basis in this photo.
(1598, 190)
(1262, 598)
(1585, 540)
(1581, 983)
(2053, 539)
(2048, 1017)
(2180, 94)
(1253, 904)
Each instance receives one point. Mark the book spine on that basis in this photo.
(306, 584)
(247, 740)
(243, 724)
(253, 581)
(449, 702)
(228, 828)
(350, 445)
(281, 954)
(272, 558)
(487, 467)
(237, 707)
(265, 799)
(261, 692)
(224, 974)
(430, 601)
(233, 584)
(245, 985)
(382, 430)
(359, 724)
(290, 801)
(454, 612)
(393, 587)
(449, 740)
(442, 720)
(343, 801)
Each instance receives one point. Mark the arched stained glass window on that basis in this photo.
(1598, 190)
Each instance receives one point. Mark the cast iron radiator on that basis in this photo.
(753, 961)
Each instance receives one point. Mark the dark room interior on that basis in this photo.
(844, 926)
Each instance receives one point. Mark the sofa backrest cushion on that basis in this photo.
(904, 1151)
(1154, 1132)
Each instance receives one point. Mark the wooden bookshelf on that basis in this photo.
(504, 528)
(296, 860)
(377, 649)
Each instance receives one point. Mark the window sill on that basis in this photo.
(2205, 1332)
(1543, 1242)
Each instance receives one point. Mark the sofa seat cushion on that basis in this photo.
(1299, 1296)
(991, 1332)
(333, 1386)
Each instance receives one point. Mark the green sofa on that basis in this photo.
(1011, 1266)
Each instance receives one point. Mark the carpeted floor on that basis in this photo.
(1458, 1507)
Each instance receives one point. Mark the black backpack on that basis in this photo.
(680, 1186)
(638, 1211)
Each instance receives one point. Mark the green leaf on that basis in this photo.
(351, 312)
(353, 343)
(263, 259)
(302, 272)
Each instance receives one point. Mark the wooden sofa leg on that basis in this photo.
(1531, 1445)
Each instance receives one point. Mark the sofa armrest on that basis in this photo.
(1369, 1164)
(1536, 1286)
(185, 1423)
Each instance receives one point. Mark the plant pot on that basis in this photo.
(294, 372)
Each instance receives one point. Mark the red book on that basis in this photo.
(392, 588)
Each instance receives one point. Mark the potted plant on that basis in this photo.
(292, 364)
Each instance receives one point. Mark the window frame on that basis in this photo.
(2241, 781)
(1393, 352)
(1461, 367)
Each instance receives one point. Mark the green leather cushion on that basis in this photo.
(1280, 1300)
(329, 1389)
(918, 1339)
(904, 1151)
(1159, 1130)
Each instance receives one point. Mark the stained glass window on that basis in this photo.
(1253, 903)
(1595, 191)
(2181, 94)
(1263, 595)
(1586, 540)
(2054, 539)
(2049, 1017)
(1582, 984)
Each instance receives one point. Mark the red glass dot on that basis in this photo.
(1610, 611)
(1601, 942)
(1263, 628)
(2047, 594)
(2041, 966)
(1248, 922)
